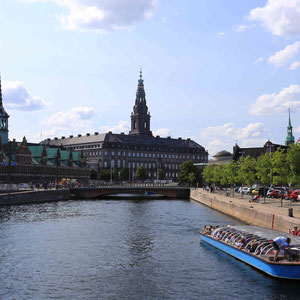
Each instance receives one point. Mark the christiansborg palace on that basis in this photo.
(138, 147)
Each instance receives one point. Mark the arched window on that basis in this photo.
(134, 124)
(145, 124)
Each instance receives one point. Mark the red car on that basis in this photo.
(294, 195)
(275, 194)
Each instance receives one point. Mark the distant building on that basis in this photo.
(36, 163)
(220, 158)
(139, 147)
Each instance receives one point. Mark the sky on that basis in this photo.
(220, 72)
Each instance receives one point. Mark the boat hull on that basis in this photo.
(287, 271)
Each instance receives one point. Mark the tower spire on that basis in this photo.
(290, 139)
(140, 117)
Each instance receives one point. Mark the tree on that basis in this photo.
(104, 175)
(161, 174)
(93, 174)
(263, 170)
(208, 174)
(280, 168)
(141, 173)
(124, 174)
(247, 170)
(293, 160)
(232, 174)
(187, 168)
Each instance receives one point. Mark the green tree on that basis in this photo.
(280, 168)
(208, 174)
(93, 174)
(187, 168)
(141, 173)
(124, 174)
(263, 170)
(247, 170)
(293, 160)
(104, 175)
(232, 174)
(161, 174)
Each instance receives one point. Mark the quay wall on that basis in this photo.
(246, 212)
(34, 197)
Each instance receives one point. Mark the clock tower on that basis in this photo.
(140, 117)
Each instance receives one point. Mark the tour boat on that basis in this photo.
(228, 239)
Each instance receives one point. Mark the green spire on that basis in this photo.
(289, 138)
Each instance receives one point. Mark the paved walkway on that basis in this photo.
(269, 205)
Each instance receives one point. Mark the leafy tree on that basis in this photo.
(293, 160)
(232, 174)
(280, 168)
(104, 175)
(263, 169)
(161, 174)
(124, 174)
(247, 170)
(141, 173)
(93, 174)
(208, 174)
(187, 168)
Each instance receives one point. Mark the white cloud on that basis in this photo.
(243, 27)
(122, 126)
(280, 17)
(225, 136)
(77, 117)
(285, 55)
(163, 132)
(275, 103)
(258, 60)
(17, 96)
(221, 33)
(103, 15)
(295, 65)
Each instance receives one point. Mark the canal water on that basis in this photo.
(122, 249)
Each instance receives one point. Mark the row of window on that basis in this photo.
(134, 165)
(148, 155)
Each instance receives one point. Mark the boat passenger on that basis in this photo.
(280, 243)
(241, 243)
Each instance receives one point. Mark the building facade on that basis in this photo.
(139, 147)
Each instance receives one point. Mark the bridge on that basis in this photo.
(94, 192)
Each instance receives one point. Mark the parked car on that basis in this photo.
(275, 194)
(237, 189)
(269, 192)
(294, 195)
(246, 190)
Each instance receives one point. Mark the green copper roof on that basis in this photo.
(36, 151)
(290, 139)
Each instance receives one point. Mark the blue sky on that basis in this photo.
(217, 71)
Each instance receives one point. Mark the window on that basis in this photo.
(119, 153)
(129, 165)
(149, 165)
(149, 155)
(113, 153)
(119, 163)
(124, 163)
(112, 163)
(166, 156)
(133, 154)
(146, 155)
(105, 152)
(142, 154)
(137, 155)
(129, 154)
(134, 125)
(105, 164)
(145, 124)
(133, 165)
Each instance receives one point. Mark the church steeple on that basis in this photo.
(140, 117)
(290, 139)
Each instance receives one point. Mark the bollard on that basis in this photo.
(290, 212)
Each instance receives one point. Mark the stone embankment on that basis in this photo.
(258, 214)
(34, 197)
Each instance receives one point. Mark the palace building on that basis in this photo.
(139, 147)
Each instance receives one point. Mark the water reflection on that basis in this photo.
(112, 249)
